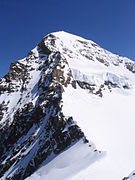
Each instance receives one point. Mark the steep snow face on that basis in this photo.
(68, 163)
(67, 92)
(107, 121)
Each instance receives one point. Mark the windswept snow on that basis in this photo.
(109, 123)
(68, 163)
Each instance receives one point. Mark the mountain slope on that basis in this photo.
(67, 92)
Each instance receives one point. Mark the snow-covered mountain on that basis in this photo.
(67, 112)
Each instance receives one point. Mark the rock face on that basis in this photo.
(33, 127)
(36, 130)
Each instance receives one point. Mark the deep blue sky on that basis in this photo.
(23, 23)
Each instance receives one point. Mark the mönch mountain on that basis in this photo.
(67, 112)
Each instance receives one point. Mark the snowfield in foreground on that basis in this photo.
(109, 122)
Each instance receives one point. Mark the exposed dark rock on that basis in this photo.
(110, 84)
(43, 49)
(46, 115)
(125, 178)
(3, 108)
(16, 72)
(130, 66)
(91, 88)
(87, 86)
(106, 63)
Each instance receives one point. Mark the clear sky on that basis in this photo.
(23, 23)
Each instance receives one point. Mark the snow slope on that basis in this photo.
(68, 163)
(107, 121)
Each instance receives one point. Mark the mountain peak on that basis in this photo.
(59, 98)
